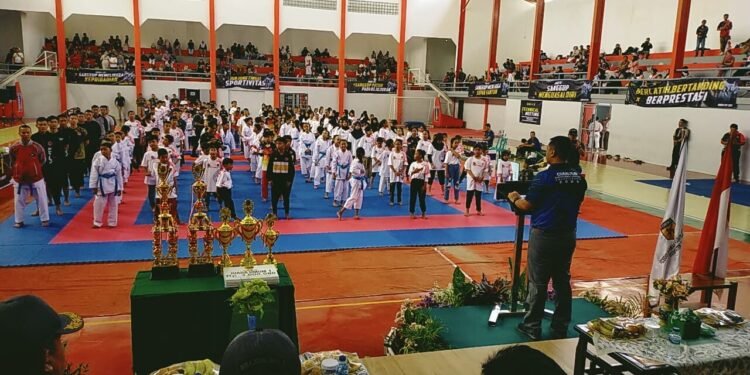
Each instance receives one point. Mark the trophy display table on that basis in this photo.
(190, 318)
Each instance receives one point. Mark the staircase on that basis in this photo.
(10, 79)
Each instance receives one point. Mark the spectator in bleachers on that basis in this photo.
(558, 73)
(203, 48)
(126, 43)
(727, 61)
(701, 33)
(191, 47)
(725, 28)
(646, 48)
(177, 47)
(618, 50)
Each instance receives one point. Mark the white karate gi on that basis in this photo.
(320, 160)
(385, 171)
(340, 164)
(305, 153)
(329, 170)
(211, 168)
(358, 184)
(106, 175)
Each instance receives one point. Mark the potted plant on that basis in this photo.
(250, 298)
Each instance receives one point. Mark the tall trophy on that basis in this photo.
(201, 265)
(225, 234)
(269, 238)
(248, 228)
(164, 267)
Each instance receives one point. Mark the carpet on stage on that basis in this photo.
(466, 327)
(704, 187)
(71, 239)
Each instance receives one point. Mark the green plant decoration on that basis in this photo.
(251, 296)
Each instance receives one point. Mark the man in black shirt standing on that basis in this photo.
(646, 48)
(701, 33)
(681, 134)
(738, 140)
(55, 167)
(94, 132)
(280, 172)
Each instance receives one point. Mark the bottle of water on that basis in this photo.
(675, 343)
(343, 367)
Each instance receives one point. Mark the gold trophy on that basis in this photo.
(164, 267)
(269, 238)
(248, 228)
(200, 265)
(225, 233)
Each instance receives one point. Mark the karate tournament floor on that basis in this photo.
(351, 276)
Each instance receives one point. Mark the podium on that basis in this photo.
(501, 193)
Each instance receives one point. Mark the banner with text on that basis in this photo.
(531, 112)
(686, 92)
(247, 81)
(380, 87)
(564, 89)
(100, 77)
(489, 90)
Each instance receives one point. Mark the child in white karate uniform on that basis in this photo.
(385, 170)
(375, 155)
(330, 180)
(358, 184)
(397, 165)
(105, 182)
(475, 167)
(319, 158)
(419, 170)
(211, 167)
(340, 163)
(305, 151)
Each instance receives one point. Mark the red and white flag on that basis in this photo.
(715, 233)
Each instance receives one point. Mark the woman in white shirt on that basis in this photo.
(397, 166)
(452, 164)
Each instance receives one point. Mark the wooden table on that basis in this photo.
(463, 361)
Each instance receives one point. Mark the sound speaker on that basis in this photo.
(460, 111)
(11, 92)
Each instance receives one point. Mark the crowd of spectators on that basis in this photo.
(14, 57)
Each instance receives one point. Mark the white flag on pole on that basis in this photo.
(668, 253)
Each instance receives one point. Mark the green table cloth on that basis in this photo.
(190, 318)
(466, 327)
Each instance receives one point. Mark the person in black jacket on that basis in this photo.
(280, 171)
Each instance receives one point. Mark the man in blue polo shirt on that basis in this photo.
(554, 200)
(531, 144)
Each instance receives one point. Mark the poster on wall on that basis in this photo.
(100, 77)
(489, 90)
(564, 89)
(247, 81)
(686, 92)
(379, 87)
(531, 112)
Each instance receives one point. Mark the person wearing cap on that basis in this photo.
(261, 352)
(30, 336)
(737, 140)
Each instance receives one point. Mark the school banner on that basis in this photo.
(489, 90)
(247, 81)
(686, 92)
(564, 89)
(531, 112)
(380, 87)
(100, 77)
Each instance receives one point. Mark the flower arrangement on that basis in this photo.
(251, 296)
(674, 290)
(415, 331)
(462, 293)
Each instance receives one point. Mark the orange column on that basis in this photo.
(461, 27)
(137, 47)
(342, 58)
(276, 56)
(493, 34)
(536, 47)
(212, 45)
(596, 38)
(400, 71)
(62, 58)
(680, 36)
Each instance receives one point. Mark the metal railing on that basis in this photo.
(176, 76)
(309, 81)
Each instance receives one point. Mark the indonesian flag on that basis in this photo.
(715, 233)
(668, 252)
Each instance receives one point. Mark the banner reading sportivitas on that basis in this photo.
(686, 92)
(380, 87)
(100, 77)
(489, 90)
(247, 81)
(564, 89)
